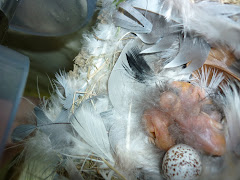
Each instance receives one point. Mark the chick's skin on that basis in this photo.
(182, 107)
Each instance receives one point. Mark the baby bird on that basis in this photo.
(185, 113)
(182, 107)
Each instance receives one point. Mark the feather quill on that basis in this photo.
(130, 144)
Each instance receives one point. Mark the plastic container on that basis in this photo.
(14, 69)
(47, 17)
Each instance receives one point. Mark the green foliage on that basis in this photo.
(117, 2)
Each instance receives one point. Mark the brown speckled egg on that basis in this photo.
(181, 162)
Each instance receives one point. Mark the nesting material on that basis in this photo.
(151, 75)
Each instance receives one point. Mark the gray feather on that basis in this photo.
(161, 27)
(194, 50)
(161, 7)
(132, 20)
(213, 24)
(41, 117)
(120, 84)
(165, 43)
(22, 131)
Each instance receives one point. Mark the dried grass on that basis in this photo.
(230, 1)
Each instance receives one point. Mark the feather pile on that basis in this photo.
(95, 124)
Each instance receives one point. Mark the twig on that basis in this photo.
(111, 167)
(74, 96)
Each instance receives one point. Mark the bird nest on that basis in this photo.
(101, 50)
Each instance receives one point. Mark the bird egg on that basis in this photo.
(181, 162)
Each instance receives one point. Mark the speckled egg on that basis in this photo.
(181, 162)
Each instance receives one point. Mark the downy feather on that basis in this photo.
(231, 101)
(90, 127)
(69, 88)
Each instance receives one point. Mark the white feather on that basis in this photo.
(202, 79)
(69, 88)
(134, 153)
(215, 28)
(232, 113)
(40, 158)
(91, 129)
